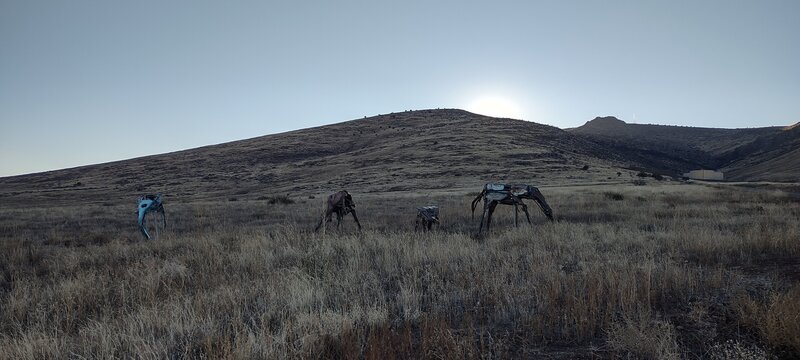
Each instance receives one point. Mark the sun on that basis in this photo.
(495, 106)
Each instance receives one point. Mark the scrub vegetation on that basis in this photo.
(659, 271)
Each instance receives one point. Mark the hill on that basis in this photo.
(426, 150)
(414, 150)
(767, 153)
(773, 157)
(713, 141)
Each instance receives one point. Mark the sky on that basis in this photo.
(85, 82)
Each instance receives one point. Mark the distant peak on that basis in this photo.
(605, 121)
(611, 119)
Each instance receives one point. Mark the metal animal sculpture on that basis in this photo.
(151, 204)
(426, 217)
(339, 203)
(493, 194)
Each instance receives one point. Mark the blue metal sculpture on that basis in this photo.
(151, 204)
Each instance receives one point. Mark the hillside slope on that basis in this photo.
(417, 150)
(774, 157)
(744, 154)
(713, 141)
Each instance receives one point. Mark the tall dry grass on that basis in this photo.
(646, 272)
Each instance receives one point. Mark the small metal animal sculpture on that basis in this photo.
(339, 203)
(426, 217)
(150, 204)
(493, 194)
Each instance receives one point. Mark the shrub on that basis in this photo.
(777, 320)
(734, 350)
(644, 338)
(281, 199)
(614, 196)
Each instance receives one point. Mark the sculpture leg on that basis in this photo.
(142, 211)
(356, 218)
(320, 223)
(148, 221)
(325, 216)
(328, 219)
(155, 225)
(341, 212)
(144, 232)
(527, 215)
(483, 216)
(475, 202)
(163, 222)
(489, 219)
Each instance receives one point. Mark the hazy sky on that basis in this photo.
(83, 82)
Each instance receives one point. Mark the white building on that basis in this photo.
(704, 175)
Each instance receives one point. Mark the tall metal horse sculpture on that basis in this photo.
(493, 194)
(151, 204)
(339, 203)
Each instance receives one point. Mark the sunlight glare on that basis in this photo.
(495, 106)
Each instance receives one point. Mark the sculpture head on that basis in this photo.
(534, 193)
(348, 200)
(145, 204)
(148, 203)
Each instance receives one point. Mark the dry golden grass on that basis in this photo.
(658, 271)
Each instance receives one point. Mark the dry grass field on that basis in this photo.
(661, 271)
